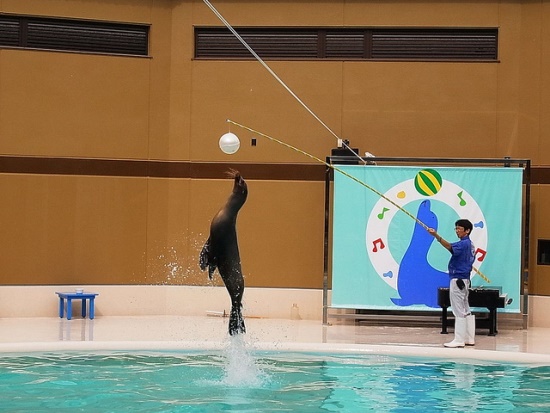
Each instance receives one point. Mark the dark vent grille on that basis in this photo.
(215, 43)
(434, 44)
(218, 45)
(74, 35)
(347, 44)
(415, 44)
(9, 31)
(289, 44)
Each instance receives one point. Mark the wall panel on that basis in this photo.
(148, 229)
(123, 10)
(64, 104)
(72, 230)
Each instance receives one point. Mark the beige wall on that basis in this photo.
(539, 276)
(75, 229)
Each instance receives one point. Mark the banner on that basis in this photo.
(383, 259)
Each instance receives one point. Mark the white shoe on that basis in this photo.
(460, 332)
(469, 339)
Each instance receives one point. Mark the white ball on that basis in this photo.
(229, 143)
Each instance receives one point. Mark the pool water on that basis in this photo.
(238, 380)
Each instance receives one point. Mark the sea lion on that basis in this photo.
(221, 251)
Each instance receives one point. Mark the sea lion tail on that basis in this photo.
(236, 321)
(401, 302)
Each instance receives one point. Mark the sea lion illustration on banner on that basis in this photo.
(418, 280)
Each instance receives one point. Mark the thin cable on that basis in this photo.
(264, 64)
(381, 195)
(259, 59)
(331, 167)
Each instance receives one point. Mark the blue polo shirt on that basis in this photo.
(462, 258)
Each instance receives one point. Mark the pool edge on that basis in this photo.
(343, 348)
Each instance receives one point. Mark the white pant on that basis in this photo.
(459, 298)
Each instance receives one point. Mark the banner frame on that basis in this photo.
(332, 163)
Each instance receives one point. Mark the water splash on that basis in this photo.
(241, 369)
(173, 266)
(177, 262)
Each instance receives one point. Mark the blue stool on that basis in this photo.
(76, 296)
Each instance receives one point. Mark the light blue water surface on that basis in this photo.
(241, 381)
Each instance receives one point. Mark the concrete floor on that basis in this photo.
(176, 332)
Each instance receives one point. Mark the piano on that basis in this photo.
(490, 298)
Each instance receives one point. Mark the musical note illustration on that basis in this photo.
(462, 201)
(376, 243)
(482, 254)
(381, 214)
(479, 224)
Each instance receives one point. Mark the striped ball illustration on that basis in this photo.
(428, 182)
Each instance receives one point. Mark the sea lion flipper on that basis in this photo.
(236, 321)
(211, 269)
(203, 257)
(205, 260)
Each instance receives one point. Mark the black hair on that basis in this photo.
(464, 223)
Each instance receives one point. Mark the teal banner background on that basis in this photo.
(383, 259)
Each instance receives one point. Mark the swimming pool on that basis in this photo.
(238, 379)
